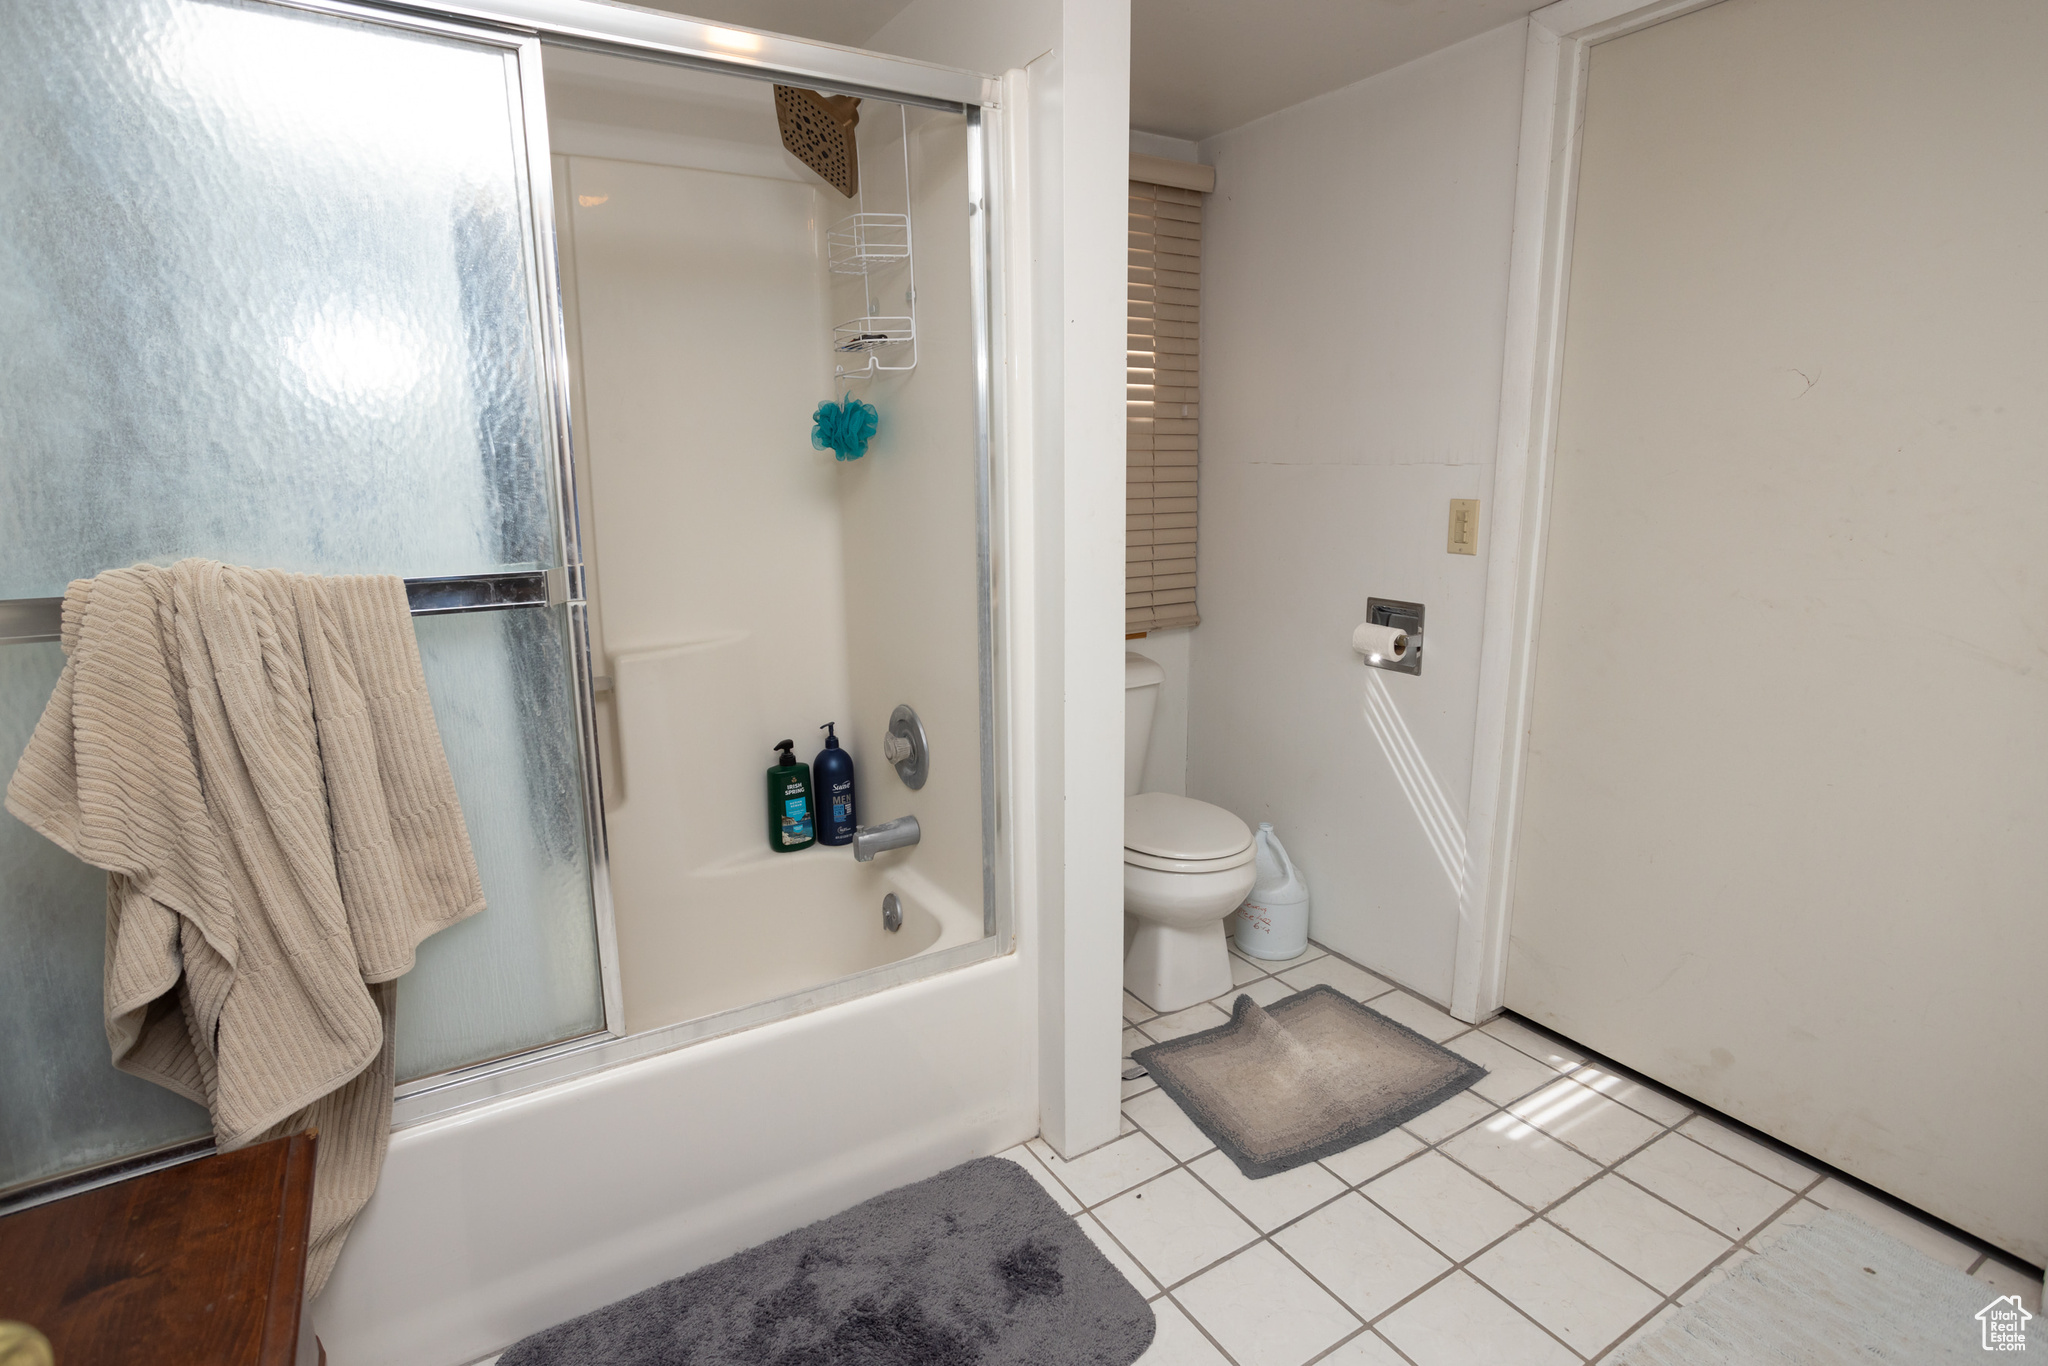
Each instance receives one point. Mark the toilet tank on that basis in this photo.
(1142, 679)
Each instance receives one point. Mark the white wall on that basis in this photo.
(1062, 537)
(1354, 290)
(1160, 145)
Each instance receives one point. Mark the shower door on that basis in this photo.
(272, 283)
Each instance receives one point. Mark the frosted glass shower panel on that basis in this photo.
(266, 282)
(62, 1104)
(270, 284)
(523, 971)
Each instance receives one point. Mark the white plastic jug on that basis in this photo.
(1273, 922)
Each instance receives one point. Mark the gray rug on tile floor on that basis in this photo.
(1835, 1290)
(975, 1267)
(1306, 1077)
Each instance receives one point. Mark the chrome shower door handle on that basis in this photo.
(870, 840)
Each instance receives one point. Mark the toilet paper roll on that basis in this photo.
(1388, 642)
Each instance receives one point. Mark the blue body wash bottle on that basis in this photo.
(832, 780)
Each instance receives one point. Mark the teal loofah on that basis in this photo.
(844, 428)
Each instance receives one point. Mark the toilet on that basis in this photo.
(1187, 866)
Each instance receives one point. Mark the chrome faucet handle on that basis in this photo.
(869, 840)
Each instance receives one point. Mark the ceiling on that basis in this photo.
(1201, 67)
(1198, 67)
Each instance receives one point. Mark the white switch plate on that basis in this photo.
(1464, 538)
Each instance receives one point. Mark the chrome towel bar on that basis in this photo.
(32, 619)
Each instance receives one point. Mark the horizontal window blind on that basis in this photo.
(1162, 406)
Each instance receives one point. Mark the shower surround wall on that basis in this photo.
(749, 587)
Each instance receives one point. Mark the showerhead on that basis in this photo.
(818, 131)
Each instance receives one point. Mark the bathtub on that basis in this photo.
(763, 926)
(496, 1220)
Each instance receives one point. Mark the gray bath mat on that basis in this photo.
(1837, 1290)
(1303, 1078)
(974, 1267)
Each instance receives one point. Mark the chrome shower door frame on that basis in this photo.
(521, 26)
(566, 579)
(558, 585)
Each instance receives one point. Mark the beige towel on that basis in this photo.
(251, 756)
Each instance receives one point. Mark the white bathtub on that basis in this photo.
(767, 925)
(499, 1220)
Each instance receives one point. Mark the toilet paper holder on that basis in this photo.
(1402, 616)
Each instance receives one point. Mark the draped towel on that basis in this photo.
(251, 756)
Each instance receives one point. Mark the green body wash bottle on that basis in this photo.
(792, 823)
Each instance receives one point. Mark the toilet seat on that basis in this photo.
(1134, 859)
(1179, 834)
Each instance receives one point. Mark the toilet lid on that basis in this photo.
(1166, 826)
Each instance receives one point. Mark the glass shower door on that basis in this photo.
(272, 282)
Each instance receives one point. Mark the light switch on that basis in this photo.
(1464, 526)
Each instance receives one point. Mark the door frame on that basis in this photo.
(1561, 39)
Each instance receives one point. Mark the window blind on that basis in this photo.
(1162, 406)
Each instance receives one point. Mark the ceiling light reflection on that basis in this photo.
(734, 40)
(352, 356)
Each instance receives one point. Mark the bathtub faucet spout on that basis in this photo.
(870, 840)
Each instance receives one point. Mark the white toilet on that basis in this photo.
(1187, 865)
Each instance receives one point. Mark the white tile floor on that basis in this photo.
(1546, 1215)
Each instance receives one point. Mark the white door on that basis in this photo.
(1784, 843)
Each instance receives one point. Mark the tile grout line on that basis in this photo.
(1537, 1214)
(1541, 1213)
(1184, 1312)
(1264, 1236)
(1797, 1195)
(1458, 1265)
(1455, 1264)
(1741, 1244)
(1987, 1252)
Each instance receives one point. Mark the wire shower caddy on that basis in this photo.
(870, 245)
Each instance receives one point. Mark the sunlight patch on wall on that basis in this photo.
(1439, 818)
